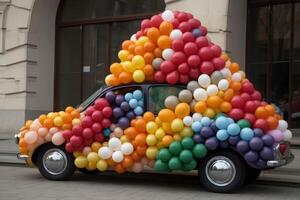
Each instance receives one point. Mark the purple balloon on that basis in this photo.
(266, 153)
(258, 132)
(125, 106)
(214, 127)
(268, 140)
(110, 97)
(261, 164)
(198, 138)
(251, 156)
(119, 99)
(207, 132)
(130, 115)
(212, 143)
(123, 123)
(233, 140)
(242, 146)
(224, 144)
(117, 112)
(256, 144)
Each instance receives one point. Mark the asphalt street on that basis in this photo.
(26, 183)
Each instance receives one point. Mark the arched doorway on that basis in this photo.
(88, 36)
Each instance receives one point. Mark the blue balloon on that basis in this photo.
(233, 129)
(205, 121)
(128, 96)
(141, 103)
(138, 111)
(196, 126)
(137, 94)
(133, 103)
(231, 121)
(222, 135)
(247, 134)
(222, 123)
(196, 32)
(106, 132)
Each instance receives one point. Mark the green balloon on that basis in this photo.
(187, 143)
(243, 123)
(175, 163)
(221, 115)
(161, 166)
(186, 156)
(190, 166)
(175, 148)
(199, 151)
(164, 155)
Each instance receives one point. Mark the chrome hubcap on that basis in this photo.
(55, 161)
(220, 171)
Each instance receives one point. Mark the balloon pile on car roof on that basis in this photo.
(220, 107)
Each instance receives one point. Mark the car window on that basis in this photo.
(158, 94)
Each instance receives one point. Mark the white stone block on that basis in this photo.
(15, 38)
(17, 18)
(27, 4)
(13, 56)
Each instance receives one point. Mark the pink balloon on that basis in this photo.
(139, 34)
(256, 95)
(67, 134)
(96, 127)
(194, 61)
(236, 114)
(201, 42)
(250, 117)
(184, 27)
(69, 148)
(237, 102)
(107, 111)
(97, 116)
(146, 23)
(194, 73)
(188, 37)
(177, 45)
(101, 103)
(159, 77)
(219, 63)
(190, 48)
(194, 23)
(42, 132)
(89, 111)
(216, 50)
(250, 107)
(178, 58)
(99, 137)
(167, 67)
(182, 16)
(184, 79)
(203, 30)
(76, 141)
(247, 87)
(172, 78)
(207, 67)
(262, 124)
(246, 97)
(58, 139)
(88, 142)
(205, 53)
(86, 122)
(276, 134)
(87, 133)
(77, 130)
(189, 16)
(175, 22)
(30, 137)
(183, 68)
(105, 123)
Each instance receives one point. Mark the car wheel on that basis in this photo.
(54, 163)
(222, 171)
(251, 175)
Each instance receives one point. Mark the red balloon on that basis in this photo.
(156, 20)
(67, 134)
(216, 50)
(145, 31)
(177, 45)
(189, 16)
(194, 23)
(97, 116)
(172, 78)
(256, 95)
(105, 123)
(206, 67)
(178, 58)
(250, 117)
(236, 114)
(87, 133)
(86, 122)
(190, 48)
(250, 107)
(88, 142)
(237, 102)
(201, 42)
(69, 148)
(247, 87)
(101, 103)
(76, 141)
(167, 67)
(89, 111)
(175, 22)
(183, 68)
(194, 61)
(262, 124)
(188, 37)
(107, 111)
(159, 77)
(99, 137)
(246, 97)
(182, 16)
(96, 127)
(203, 30)
(205, 53)
(184, 27)
(77, 130)
(194, 73)
(146, 23)
(184, 79)
(257, 103)
(219, 63)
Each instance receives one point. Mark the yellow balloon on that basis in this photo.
(177, 125)
(151, 152)
(160, 133)
(58, 121)
(209, 113)
(158, 122)
(160, 145)
(93, 157)
(76, 122)
(138, 62)
(142, 40)
(151, 127)
(177, 137)
(186, 132)
(81, 162)
(128, 67)
(124, 139)
(167, 127)
(123, 55)
(77, 154)
(91, 166)
(102, 165)
(151, 140)
(138, 76)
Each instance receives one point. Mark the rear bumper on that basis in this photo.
(280, 158)
(279, 163)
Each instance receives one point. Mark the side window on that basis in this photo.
(158, 94)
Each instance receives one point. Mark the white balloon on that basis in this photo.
(204, 80)
(58, 139)
(133, 38)
(212, 90)
(227, 63)
(188, 120)
(223, 84)
(200, 94)
(117, 156)
(226, 73)
(114, 144)
(236, 77)
(104, 153)
(287, 135)
(156, 63)
(175, 34)
(197, 117)
(282, 125)
(42, 132)
(167, 53)
(127, 148)
(30, 137)
(53, 130)
(167, 15)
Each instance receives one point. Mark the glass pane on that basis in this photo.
(258, 35)
(157, 96)
(95, 58)
(281, 31)
(297, 32)
(69, 68)
(257, 73)
(75, 10)
(295, 101)
(122, 31)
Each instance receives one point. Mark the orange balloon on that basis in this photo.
(131, 133)
(157, 52)
(200, 107)
(42, 118)
(236, 86)
(135, 156)
(225, 107)
(148, 70)
(214, 101)
(131, 48)
(119, 169)
(272, 122)
(148, 58)
(127, 162)
(153, 34)
(270, 109)
(149, 116)
(224, 56)
(110, 162)
(165, 28)
(130, 56)
(228, 94)
(125, 77)
(166, 115)
(279, 117)
(167, 140)
(139, 50)
(28, 123)
(234, 67)
(23, 150)
(75, 114)
(115, 68)
(22, 143)
(132, 123)
(69, 109)
(261, 112)
(67, 118)
(140, 125)
(182, 110)
(48, 123)
(112, 80)
(95, 146)
(126, 44)
(140, 139)
(164, 42)
(67, 126)
(141, 150)
(149, 46)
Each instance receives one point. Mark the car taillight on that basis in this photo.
(282, 148)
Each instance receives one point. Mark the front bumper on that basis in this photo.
(281, 158)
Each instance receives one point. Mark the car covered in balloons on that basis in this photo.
(174, 103)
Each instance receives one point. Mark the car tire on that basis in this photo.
(54, 163)
(221, 180)
(251, 175)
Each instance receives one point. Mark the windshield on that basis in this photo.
(90, 99)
